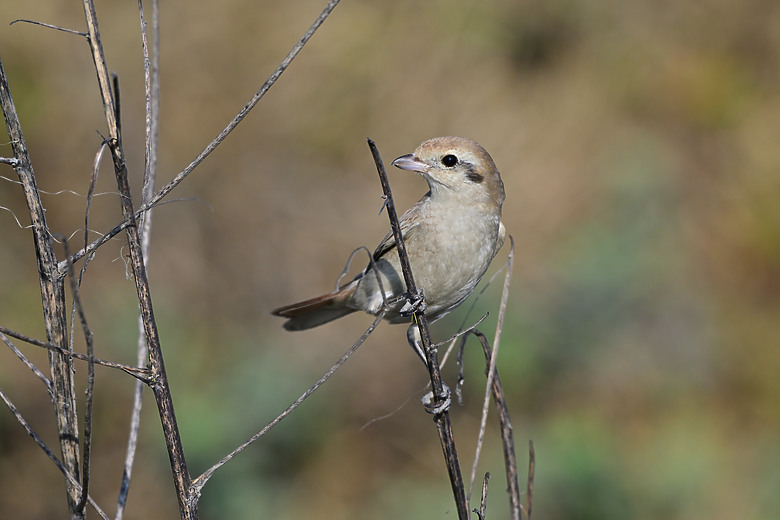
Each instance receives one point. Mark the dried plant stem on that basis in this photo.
(68, 476)
(529, 492)
(482, 512)
(440, 393)
(493, 386)
(507, 437)
(152, 120)
(53, 299)
(88, 406)
(139, 373)
(199, 482)
(165, 190)
(26, 362)
(188, 507)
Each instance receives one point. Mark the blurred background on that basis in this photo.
(638, 142)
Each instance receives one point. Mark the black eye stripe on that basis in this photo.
(473, 175)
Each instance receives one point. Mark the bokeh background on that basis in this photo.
(638, 142)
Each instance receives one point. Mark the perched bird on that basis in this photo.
(451, 236)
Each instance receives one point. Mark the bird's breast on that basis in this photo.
(450, 252)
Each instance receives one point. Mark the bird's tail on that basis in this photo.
(316, 311)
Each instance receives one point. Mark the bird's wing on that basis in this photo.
(408, 221)
(385, 245)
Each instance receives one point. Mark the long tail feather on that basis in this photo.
(316, 311)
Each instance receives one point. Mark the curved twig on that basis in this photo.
(165, 190)
(200, 481)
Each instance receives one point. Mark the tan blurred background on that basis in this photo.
(638, 142)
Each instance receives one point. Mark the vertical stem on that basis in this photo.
(53, 299)
(441, 419)
(507, 435)
(188, 506)
(162, 392)
(152, 88)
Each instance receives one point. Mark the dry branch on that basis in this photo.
(510, 460)
(53, 299)
(165, 190)
(199, 482)
(188, 507)
(68, 476)
(441, 415)
(152, 123)
(137, 372)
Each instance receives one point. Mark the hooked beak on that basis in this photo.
(411, 163)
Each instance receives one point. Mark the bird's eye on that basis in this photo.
(449, 160)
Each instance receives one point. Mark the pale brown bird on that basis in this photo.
(451, 236)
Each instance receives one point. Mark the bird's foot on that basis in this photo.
(414, 303)
(436, 408)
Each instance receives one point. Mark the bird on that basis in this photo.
(451, 235)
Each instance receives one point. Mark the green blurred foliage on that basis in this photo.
(638, 145)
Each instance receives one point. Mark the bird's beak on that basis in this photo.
(411, 163)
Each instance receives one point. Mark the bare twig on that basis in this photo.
(440, 394)
(152, 120)
(529, 493)
(461, 332)
(200, 481)
(492, 374)
(91, 191)
(152, 90)
(188, 507)
(481, 513)
(89, 339)
(137, 372)
(218, 139)
(507, 437)
(463, 335)
(50, 26)
(27, 363)
(52, 297)
(348, 265)
(137, 250)
(70, 478)
(152, 101)
(75, 284)
(466, 315)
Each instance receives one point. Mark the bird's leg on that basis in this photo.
(428, 400)
(414, 303)
(413, 336)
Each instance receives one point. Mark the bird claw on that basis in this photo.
(414, 303)
(432, 407)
